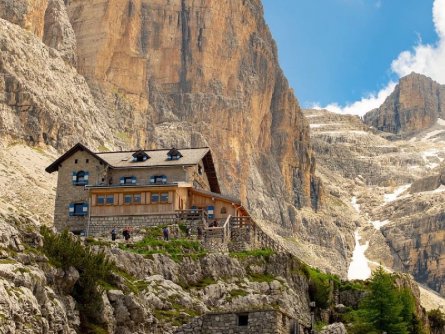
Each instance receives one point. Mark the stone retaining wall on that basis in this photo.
(100, 226)
(255, 322)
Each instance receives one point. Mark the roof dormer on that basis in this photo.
(140, 156)
(174, 154)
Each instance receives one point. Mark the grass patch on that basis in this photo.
(235, 293)
(177, 249)
(262, 278)
(7, 261)
(177, 316)
(265, 253)
(132, 283)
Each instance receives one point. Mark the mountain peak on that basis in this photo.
(416, 104)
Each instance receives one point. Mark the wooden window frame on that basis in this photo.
(160, 198)
(106, 199)
(133, 202)
(97, 200)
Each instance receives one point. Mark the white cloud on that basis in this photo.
(424, 58)
(364, 105)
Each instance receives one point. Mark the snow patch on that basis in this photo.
(432, 134)
(359, 267)
(378, 224)
(440, 121)
(388, 198)
(354, 204)
(432, 153)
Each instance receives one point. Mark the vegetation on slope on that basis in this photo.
(386, 308)
(95, 271)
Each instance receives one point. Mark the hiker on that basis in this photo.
(187, 231)
(165, 232)
(199, 232)
(215, 223)
(113, 234)
(126, 234)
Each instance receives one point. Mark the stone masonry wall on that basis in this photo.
(264, 322)
(100, 226)
(241, 239)
(68, 193)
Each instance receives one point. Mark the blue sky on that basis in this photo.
(343, 51)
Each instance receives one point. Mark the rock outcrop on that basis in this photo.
(416, 104)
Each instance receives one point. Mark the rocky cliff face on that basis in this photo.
(416, 104)
(395, 187)
(181, 73)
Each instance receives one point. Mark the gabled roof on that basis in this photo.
(78, 147)
(190, 156)
(158, 158)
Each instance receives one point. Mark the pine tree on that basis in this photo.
(381, 310)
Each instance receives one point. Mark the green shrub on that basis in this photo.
(95, 269)
(437, 320)
(321, 286)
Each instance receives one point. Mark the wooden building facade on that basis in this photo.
(136, 183)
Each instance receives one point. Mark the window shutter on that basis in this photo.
(170, 197)
(164, 179)
(86, 177)
(133, 179)
(71, 209)
(85, 209)
(152, 179)
(122, 180)
(74, 177)
(211, 211)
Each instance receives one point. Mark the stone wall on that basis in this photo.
(241, 239)
(264, 322)
(68, 193)
(103, 225)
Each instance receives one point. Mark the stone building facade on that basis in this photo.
(102, 190)
(249, 322)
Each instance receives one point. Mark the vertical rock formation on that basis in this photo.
(202, 73)
(416, 104)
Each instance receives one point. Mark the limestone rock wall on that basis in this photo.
(181, 72)
(203, 73)
(416, 104)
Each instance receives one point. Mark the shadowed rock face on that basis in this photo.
(178, 73)
(416, 104)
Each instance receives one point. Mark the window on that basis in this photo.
(164, 197)
(127, 180)
(75, 161)
(128, 198)
(155, 198)
(137, 198)
(199, 169)
(174, 154)
(158, 179)
(243, 319)
(110, 199)
(140, 156)
(223, 210)
(80, 178)
(87, 160)
(100, 200)
(78, 209)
